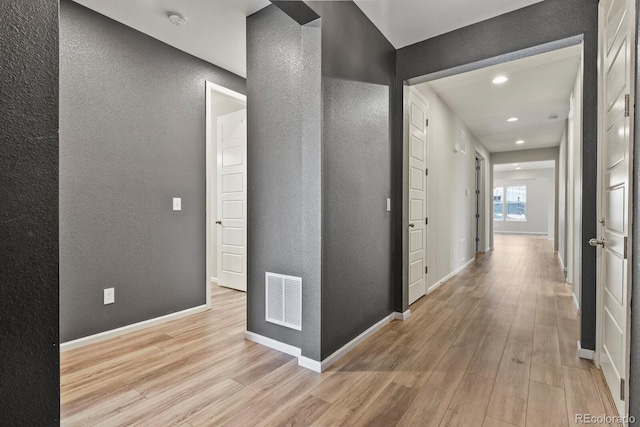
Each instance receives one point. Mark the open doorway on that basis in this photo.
(521, 115)
(226, 153)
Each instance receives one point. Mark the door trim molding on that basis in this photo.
(584, 353)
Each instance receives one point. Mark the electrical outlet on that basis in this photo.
(109, 296)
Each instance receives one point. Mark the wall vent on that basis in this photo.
(284, 300)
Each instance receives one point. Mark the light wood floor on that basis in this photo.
(495, 346)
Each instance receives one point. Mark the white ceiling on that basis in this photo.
(215, 29)
(510, 167)
(538, 87)
(405, 22)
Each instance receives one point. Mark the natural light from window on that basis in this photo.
(510, 203)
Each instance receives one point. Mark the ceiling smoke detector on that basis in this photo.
(177, 19)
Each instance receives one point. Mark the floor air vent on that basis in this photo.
(284, 300)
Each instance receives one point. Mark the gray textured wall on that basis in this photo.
(284, 176)
(536, 25)
(357, 77)
(132, 136)
(29, 358)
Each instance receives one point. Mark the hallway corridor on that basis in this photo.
(494, 346)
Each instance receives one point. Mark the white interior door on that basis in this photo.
(417, 134)
(232, 200)
(614, 193)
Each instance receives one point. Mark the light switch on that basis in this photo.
(177, 204)
(388, 205)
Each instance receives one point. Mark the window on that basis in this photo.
(498, 203)
(510, 203)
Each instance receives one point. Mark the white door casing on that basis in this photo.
(614, 194)
(232, 200)
(416, 129)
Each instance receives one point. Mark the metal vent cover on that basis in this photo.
(284, 300)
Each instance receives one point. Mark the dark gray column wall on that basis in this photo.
(284, 169)
(29, 358)
(634, 375)
(357, 81)
(132, 137)
(541, 23)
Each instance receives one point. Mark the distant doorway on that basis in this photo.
(226, 155)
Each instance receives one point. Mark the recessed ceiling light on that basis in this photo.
(512, 119)
(177, 19)
(518, 168)
(499, 80)
(520, 142)
(515, 164)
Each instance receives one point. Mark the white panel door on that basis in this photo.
(417, 134)
(232, 200)
(614, 192)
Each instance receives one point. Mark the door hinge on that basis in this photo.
(477, 168)
(426, 270)
(426, 171)
(477, 215)
(426, 221)
(626, 105)
(427, 122)
(621, 388)
(477, 191)
(625, 248)
(477, 239)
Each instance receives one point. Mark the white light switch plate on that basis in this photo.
(177, 204)
(109, 296)
(388, 205)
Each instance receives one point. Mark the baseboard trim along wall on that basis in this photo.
(583, 353)
(274, 344)
(576, 303)
(449, 276)
(214, 279)
(91, 339)
(322, 366)
(403, 316)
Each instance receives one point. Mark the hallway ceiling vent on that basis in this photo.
(284, 300)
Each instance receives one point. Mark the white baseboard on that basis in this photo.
(449, 276)
(274, 344)
(583, 353)
(402, 316)
(91, 339)
(333, 358)
(315, 365)
(575, 302)
(214, 279)
(311, 364)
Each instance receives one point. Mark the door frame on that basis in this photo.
(599, 205)
(211, 89)
(482, 200)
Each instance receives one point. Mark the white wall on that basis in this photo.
(574, 188)
(540, 185)
(562, 199)
(450, 191)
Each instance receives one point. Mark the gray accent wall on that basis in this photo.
(132, 137)
(357, 82)
(505, 37)
(284, 169)
(319, 170)
(29, 353)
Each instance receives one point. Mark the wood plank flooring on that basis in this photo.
(494, 346)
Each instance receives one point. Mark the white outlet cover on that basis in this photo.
(177, 204)
(109, 296)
